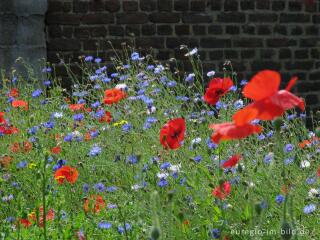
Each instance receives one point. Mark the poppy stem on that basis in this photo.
(44, 180)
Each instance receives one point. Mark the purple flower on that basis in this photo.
(121, 229)
(288, 148)
(309, 208)
(36, 93)
(280, 198)
(78, 117)
(104, 225)
(162, 183)
(99, 187)
(95, 151)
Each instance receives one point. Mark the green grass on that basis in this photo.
(185, 208)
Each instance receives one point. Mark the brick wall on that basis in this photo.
(253, 34)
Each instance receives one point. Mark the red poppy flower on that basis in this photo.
(15, 147)
(14, 92)
(231, 162)
(106, 118)
(2, 119)
(27, 146)
(230, 131)
(20, 104)
(216, 89)
(8, 130)
(49, 216)
(25, 222)
(269, 101)
(76, 107)
(172, 133)
(222, 191)
(318, 172)
(66, 173)
(55, 150)
(99, 204)
(5, 161)
(114, 96)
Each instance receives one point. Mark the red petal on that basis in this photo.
(263, 84)
(229, 131)
(262, 110)
(291, 83)
(287, 100)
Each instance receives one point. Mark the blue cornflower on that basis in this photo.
(211, 73)
(112, 189)
(98, 60)
(215, 233)
(292, 116)
(33, 130)
(95, 151)
(126, 127)
(311, 180)
(106, 80)
(238, 104)
(150, 67)
(49, 124)
(165, 165)
(10, 219)
(121, 229)
(233, 88)
(288, 148)
(197, 159)
(243, 82)
(68, 138)
(309, 208)
(111, 206)
(36, 93)
(47, 69)
(261, 136)
(104, 225)
(94, 134)
(280, 198)
(270, 134)
(288, 161)
(22, 164)
(263, 204)
(172, 84)
(99, 187)
(47, 83)
(132, 159)
(135, 56)
(88, 59)
(162, 183)
(78, 117)
(85, 187)
(190, 77)
(268, 158)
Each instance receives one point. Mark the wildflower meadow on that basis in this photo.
(146, 152)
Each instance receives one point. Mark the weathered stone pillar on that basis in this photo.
(22, 32)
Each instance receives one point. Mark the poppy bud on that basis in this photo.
(258, 208)
(239, 168)
(318, 114)
(277, 124)
(286, 231)
(155, 233)
(221, 181)
(246, 196)
(180, 216)
(170, 195)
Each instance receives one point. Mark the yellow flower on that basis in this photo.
(32, 165)
(116, 124)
